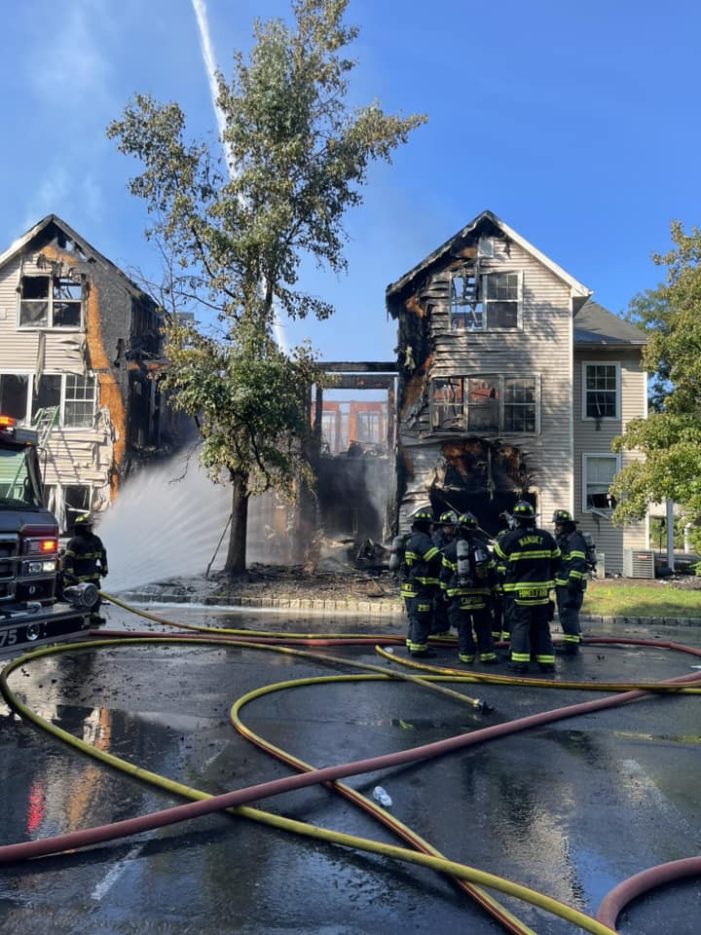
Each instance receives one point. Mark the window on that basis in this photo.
(50, 302)
(483, 395)
(79, 401)
(486, 403)
(598, 471)
(71, 394)
(14, 392)
(600, 396)
(520, 404)
(491, 304)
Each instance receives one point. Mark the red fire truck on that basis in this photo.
(30, 613)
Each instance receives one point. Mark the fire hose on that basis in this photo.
(236, 799)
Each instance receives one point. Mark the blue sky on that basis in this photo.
(577, 124)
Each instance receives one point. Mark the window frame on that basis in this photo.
(586, 456)
(64, 375)
(501, 380)
(616, 364)
(482, 301)
(50, 324)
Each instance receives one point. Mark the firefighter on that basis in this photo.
(571, 579)
(467, 580)
(531, 556)
(442, 536)
(419, 581)
(85, 559)
(502, 602)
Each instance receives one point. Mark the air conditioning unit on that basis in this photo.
(638, 563)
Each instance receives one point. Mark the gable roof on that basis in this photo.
(90, 252)
(595, 326)
(578, 290)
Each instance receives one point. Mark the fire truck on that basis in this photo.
(30, 611)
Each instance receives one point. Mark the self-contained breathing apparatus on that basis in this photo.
(472, 556)
(396, 554)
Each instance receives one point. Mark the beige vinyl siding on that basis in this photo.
(542, 348)
(74, 455)
(592, 439)
(20, 349)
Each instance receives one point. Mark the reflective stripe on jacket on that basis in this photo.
(573, 563)
(531, 556)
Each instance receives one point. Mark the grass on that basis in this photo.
(636, 600)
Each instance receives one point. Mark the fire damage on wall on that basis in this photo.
(441, 459)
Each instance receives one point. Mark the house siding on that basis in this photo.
(542, 347)
(119, 331)
(592, 439)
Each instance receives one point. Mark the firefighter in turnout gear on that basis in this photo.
(419, 581)
(85, 559)
(467, 580)
(442, 537)
(531, 556)
(571, 578)
(503, 603)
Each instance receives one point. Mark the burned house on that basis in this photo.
(512, 383)
(79, 343)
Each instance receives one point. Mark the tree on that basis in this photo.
(670, 438)
(235, 231)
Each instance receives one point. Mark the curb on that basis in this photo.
(359, 608)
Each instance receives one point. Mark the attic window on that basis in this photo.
(490, 302)
(50, 302)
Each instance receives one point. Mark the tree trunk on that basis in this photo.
(236, 554)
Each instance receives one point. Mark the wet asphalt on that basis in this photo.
(569, 809)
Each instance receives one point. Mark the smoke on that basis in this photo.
(208, 57)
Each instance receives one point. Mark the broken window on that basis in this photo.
(34, 304)
(465, 308)
(600, 391)
(77, 501)
(50, 302)
(598, 472)
(79, 401)
(67, 301)
(447, 403)
(486, 403)
(490, 302)
(368, 426)
(14, 392)
(483, 404)
(48, 394)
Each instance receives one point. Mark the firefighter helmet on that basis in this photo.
(422, 516)
(84, 521)
(449, 518)
(562, 516)
(523, 510)
(468, 519)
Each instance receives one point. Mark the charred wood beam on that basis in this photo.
(359, 382)
(359, 367)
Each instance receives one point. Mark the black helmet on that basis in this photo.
(468, 519)
(562, 516)
(449, 518)
(524, 512)
(84, 521)
(423, 516)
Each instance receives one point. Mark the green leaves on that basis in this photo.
(670, 438)
(234, 224)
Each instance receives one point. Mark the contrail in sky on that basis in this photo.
(200, 8)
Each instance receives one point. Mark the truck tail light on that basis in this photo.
(7, 422)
